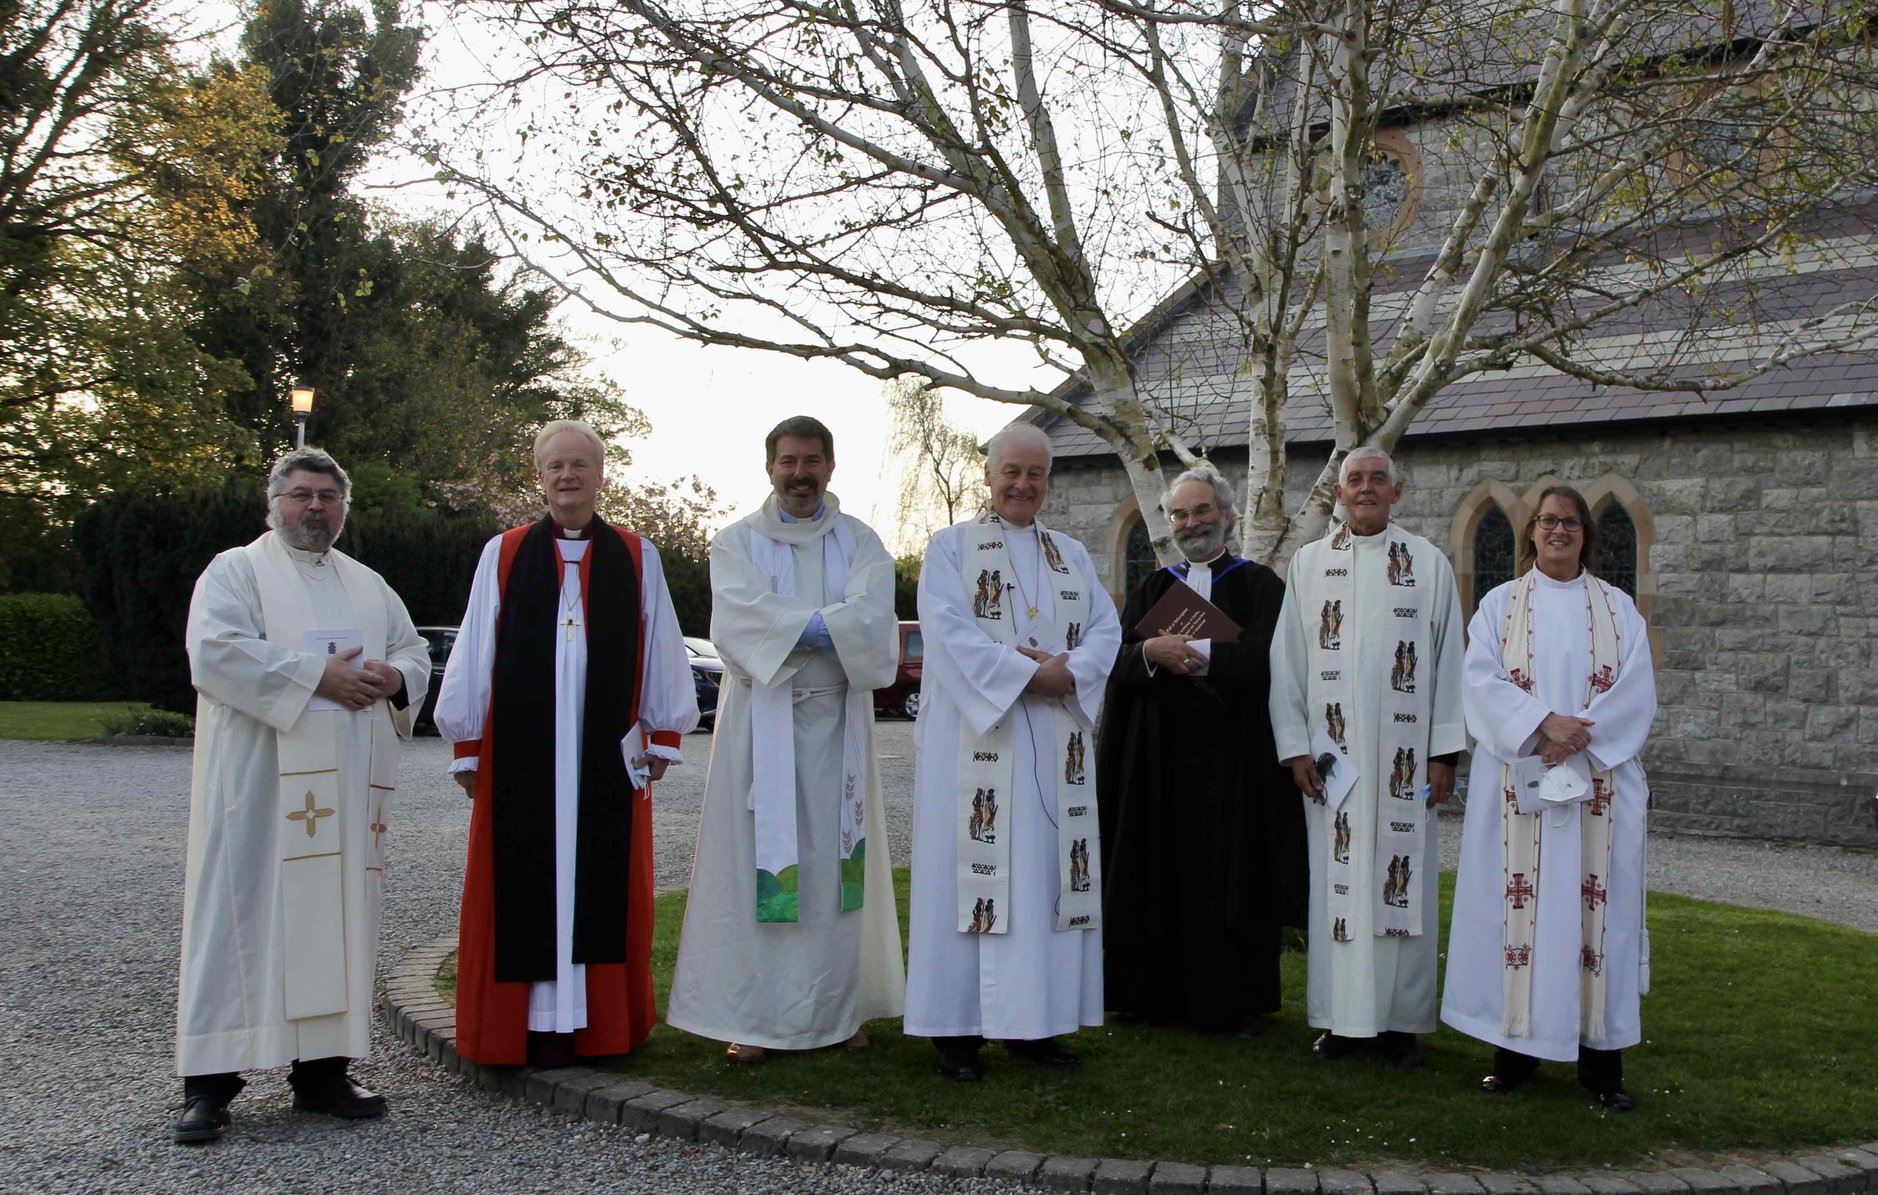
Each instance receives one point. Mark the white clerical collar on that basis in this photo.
(316, 559)
(1540, 579)
(1210, 561)
(786, 517)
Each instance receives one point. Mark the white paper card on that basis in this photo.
(1341, 777)
(332, 643)
(1528, 775)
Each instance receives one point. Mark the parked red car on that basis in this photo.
(902, 696)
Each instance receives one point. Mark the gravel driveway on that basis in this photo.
(88, 954)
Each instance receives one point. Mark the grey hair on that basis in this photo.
(1366, 453)
(309, 460)
(579, 427)
(1223, 494)
(1017, 435)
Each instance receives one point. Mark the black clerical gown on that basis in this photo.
(1203, 848)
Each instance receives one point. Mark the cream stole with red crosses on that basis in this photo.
(1519, 832)
(985, 779)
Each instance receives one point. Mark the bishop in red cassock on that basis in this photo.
(567, 693)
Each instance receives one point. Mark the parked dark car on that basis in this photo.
(902, 696)
(441, 640)
(707, 673)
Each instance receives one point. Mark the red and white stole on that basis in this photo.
(1520, 832)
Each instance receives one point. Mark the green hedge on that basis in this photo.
(49, 650)
(143, 553)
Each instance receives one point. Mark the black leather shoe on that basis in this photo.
(1330, 1046)
(1047, 1050)
(1500, 1084)
(961, 1068)
(1615, 1100)
(205, 1107)
(335, 1094)
(204, 1119)
(1401, 1050)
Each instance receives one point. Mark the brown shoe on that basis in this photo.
(738, 1052)
(857, 1042)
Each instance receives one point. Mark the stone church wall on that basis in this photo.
(1758, 574)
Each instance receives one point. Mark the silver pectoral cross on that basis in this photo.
(570, 624)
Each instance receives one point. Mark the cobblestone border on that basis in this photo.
(425, 1021)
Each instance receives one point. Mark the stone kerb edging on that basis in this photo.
(424, 1020)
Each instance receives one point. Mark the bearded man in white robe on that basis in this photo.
(1376, 696)
(791, 941)
(1005, 935)
(1547, 955)
(307, 669)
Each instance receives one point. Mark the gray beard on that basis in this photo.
(310, 539)
(1197, 547)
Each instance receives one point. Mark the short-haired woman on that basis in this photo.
(1547, 954)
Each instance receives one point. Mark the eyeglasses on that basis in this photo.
(303, 497)
(1554, 523)
(1203, 511)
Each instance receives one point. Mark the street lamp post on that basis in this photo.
(302, 400)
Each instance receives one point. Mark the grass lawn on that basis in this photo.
(60, 721)
(1753, 1041)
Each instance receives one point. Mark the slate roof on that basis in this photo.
(1197, 377)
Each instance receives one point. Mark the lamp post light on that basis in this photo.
(302, 400)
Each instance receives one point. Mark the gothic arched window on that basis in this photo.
(1617, 548)
(1385, 189)
(1140, 561)
(1494, 552)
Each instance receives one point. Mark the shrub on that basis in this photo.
(144, 551)
(49, 650)
(163, 724)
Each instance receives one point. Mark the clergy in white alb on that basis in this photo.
(1366, 677)
(1546, 953)
(791, 941)
(1004, 932)
(306, 667)
(567, 693)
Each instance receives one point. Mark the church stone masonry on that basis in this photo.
(1755, 509)
(1757, 545)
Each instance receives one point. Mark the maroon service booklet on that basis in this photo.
(1181, 611)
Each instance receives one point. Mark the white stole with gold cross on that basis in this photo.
(314, 810)
(985, 775)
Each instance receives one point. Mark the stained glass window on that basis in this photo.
(1494, 552)
(1140, 558)
(1385, 187)
(1617, 548)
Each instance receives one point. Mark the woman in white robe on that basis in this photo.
(1509, 721)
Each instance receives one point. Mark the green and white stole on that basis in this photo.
(1392, 769)
(985, 764)
(1519, 832)
(313, 811)
(773, 747)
